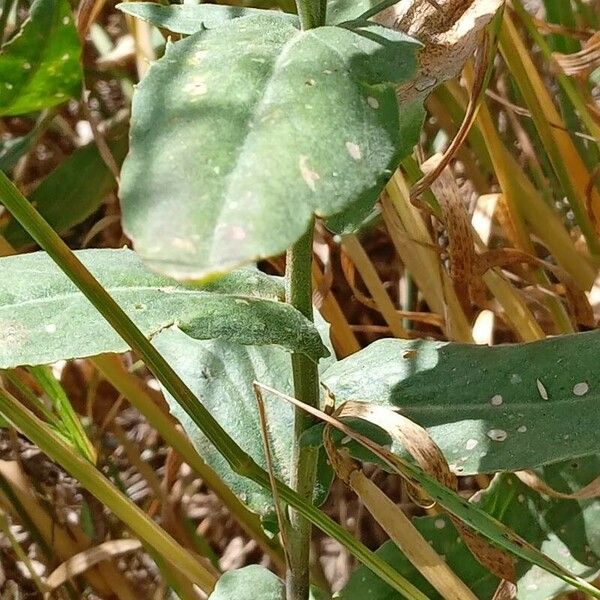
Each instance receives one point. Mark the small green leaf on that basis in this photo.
(264, 125)
(489, 409)
(70, 426)
(190, 18)
(340, 11)
(249, 583)
(565, 530)
(40, 66)
(72, 192)
(221, 374)
(13, 149)
(44, 317)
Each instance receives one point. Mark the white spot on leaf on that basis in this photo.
(522, 429)
(237, 233)
(581, 389)
(541, 389)
(354, 150)
(496, 400)
(471, 443)
(498, 435)
(310, 177)
(373, 102)
(50, 328)
(440, 523)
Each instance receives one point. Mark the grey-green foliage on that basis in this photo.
(190, 18)
(39, 67)
(263, 126)
(72, 192)
(44, 317)
(502, 408)
(221, 374)
(249, 583)
(566, 530)
(253, 583)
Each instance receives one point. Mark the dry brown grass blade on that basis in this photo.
(430, 458)
(342, 337)
(450, 33)
(105, 578)
(279, 511)
(481, 70)
(534, 481)
(577, 299)
(461, 246)
(81, 562)
(354, 256)
(581, 63)
(87, 13)
(398, 526)
(412, 240)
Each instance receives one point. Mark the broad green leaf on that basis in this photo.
(502, 408)
(190, 18)
(44, 317)
(249, 583)
(72, 192)
(40, 66)
(263, 126)
(565, 530)
(221, 374)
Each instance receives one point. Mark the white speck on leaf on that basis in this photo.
(542, 389)
(353, 150)
(498, 435)
(581, 389)
(50, 328)
(373, 102)
(310, 177)
(496, 400)
(471, 443)
(515, 379)
(66, 20)
(66, 56)
(440, 523)
(27, 66)
(522, 429)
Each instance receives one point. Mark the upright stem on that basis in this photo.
(311, 13)
(306, 388)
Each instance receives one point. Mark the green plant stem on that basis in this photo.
(298, 292)
(311, 13)
(238, 460)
